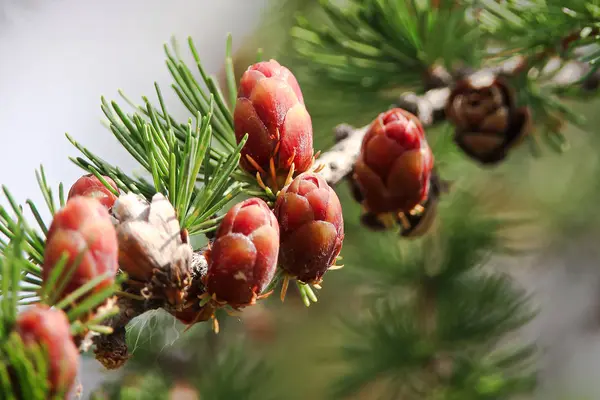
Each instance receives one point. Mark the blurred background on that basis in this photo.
(57, 57)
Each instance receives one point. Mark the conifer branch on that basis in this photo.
(429, 107)
(435, 322)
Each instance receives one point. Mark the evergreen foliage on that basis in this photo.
(434, 312)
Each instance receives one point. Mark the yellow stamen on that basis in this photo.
(417, 210)
(319, 168)
(317, 155)
(255, 164)
(260, 182)
(284, 287)
(276, 148)
(215, 324)
(290, 175)
(404, 221)
(273, 173)
(264, 295)
(277, 135)
(387, 219)
(336, 267)
(317, 286)
(291, 159)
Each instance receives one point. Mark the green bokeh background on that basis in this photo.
(560, 190)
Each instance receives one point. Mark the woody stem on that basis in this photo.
(429, 107)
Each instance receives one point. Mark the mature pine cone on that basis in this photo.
(243, 258)
(82, 230)
(90, 186)
(312, 227)
(488, 123)
(152, 249)
(50, 329)
(270, 109)
(393, 169)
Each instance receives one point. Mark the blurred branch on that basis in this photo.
(429, 107)
(339, 160)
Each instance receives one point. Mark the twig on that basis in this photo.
(339, 160)
(429, 108)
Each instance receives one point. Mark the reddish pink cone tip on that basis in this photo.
(90, 186)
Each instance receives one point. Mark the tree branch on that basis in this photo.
(430, 109)
(338, 162)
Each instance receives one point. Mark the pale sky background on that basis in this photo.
(57, 57)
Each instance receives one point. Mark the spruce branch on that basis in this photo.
(174, 164)
(24, 367)
(19, 374)
(550, 25)
(379, 44)
(13, 224)
(436, 315)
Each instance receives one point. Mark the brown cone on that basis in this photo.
(488, 124)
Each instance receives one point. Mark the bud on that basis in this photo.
(395, 163)
(312, 227)
(50, 330)
(243, 258)
(84, 232)
(488, 123)
(270, 109)
(90, 186)
(152, 250)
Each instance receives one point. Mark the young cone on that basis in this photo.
(270, 109)
(312, 228)
(50, 329)
(488, 123)
(90, 186)
(395, 163)
(243, 257)
(83, 231)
